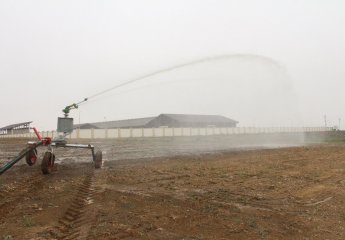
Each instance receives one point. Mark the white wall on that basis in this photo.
(168, 132)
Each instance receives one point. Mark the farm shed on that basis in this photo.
(17, 128)
(165, 120)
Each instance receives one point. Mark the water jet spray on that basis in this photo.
(65, 124)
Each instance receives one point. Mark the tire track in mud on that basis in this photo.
(78, 219)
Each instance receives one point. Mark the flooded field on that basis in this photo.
(145, 148)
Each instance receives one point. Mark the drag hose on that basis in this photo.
(22, 154)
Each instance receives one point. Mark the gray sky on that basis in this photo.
(53, 53)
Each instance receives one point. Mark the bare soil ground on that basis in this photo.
(285, 193)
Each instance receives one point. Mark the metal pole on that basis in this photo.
(325, 118)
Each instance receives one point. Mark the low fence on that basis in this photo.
(169, 132)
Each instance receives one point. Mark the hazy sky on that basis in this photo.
(53, 53)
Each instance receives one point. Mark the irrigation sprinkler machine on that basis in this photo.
(64, 128)
(65, 124)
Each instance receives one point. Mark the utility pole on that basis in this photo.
(325, 118)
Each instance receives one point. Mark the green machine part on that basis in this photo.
(68, 108)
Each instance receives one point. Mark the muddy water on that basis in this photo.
(144, 148)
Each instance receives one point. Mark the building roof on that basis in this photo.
(138, 122)
(85, 126)
(12, 126)
(191, 118)
(144, 122)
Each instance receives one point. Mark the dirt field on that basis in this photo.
(285, 193)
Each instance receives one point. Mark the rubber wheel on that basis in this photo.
(47, 164)
(98, 159)
(31, 157)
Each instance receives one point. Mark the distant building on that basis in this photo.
(17, 128)
(165, 120)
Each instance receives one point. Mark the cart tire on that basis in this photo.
(31, 157)
(98, 159)
(47, 164)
